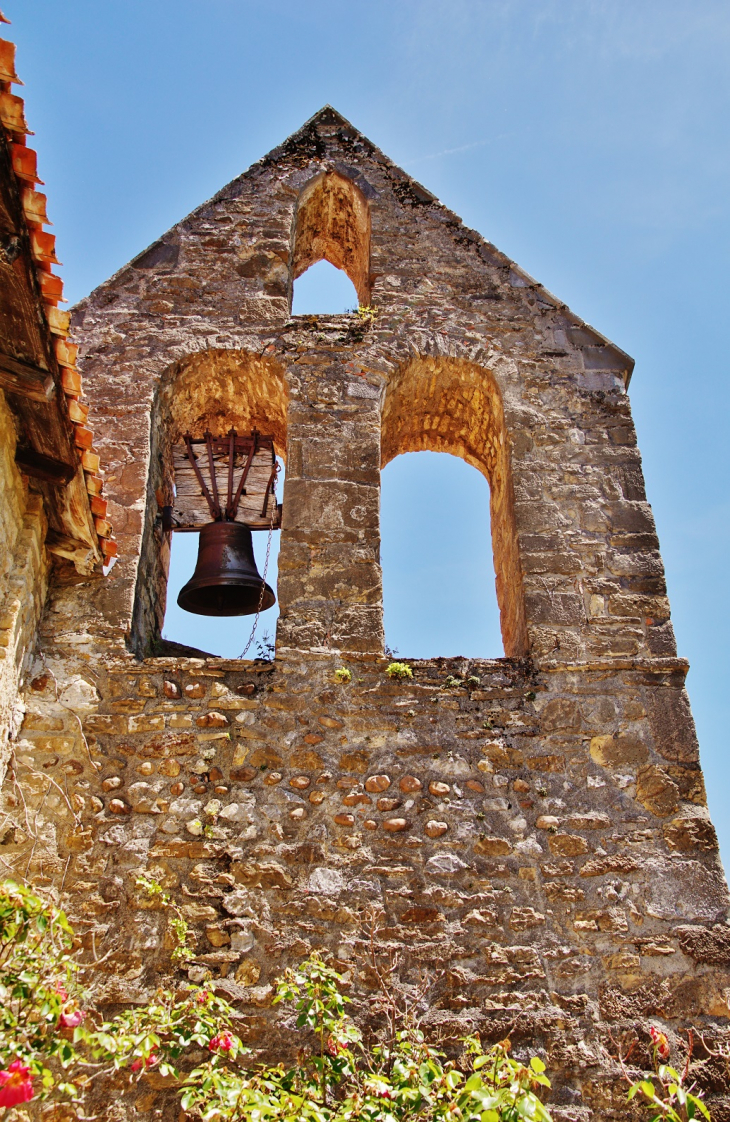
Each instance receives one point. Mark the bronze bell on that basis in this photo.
(226, 581)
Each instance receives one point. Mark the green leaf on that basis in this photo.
(526, 1107)
(537, 1065)
(700, 1105)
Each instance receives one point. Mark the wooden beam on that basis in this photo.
(26, 380)
(44, 467)
(80, 553)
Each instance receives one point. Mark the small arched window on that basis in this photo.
(323, 290)
(333, 224)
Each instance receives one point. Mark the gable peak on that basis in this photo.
(328, 115)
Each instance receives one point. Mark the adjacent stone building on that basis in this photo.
(530, 830)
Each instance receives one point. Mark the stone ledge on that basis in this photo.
(645, 665)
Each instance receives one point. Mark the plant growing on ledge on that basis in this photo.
(176, 921)
(265, 648)
(343, 674)
(398, 670)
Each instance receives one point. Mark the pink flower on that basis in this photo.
(16, 1084)
(221, 1042)
(72, 1018)
(61, 992)
(660, 1042)
(151, 1060)
(202, 997)
(380, 1091)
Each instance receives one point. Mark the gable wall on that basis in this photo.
(567, 867)
(220, 281)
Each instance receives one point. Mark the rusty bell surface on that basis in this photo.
(226, 581)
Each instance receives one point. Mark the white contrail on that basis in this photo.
(450, 151)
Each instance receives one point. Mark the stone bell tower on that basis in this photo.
(532, 829)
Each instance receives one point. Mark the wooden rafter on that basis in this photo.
(26, 380)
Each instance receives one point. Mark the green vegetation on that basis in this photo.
(398, 670)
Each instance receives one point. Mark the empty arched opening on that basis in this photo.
(436, 554)
(333, 224)
(323, 290)
(451, 405)
(214, 391)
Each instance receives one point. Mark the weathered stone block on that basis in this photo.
(562, 609)
(618, 751)
(656, 791)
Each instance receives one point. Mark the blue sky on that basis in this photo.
(588, 139)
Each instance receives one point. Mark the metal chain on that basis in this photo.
(274, 510)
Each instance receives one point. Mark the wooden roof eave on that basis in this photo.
(37, 361)
(46, 451)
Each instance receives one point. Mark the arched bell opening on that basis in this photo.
(332, 223)
(439, 595)
(451, 405)
(215, 485)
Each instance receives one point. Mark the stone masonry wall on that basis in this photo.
(536, 835)
(536, 840)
